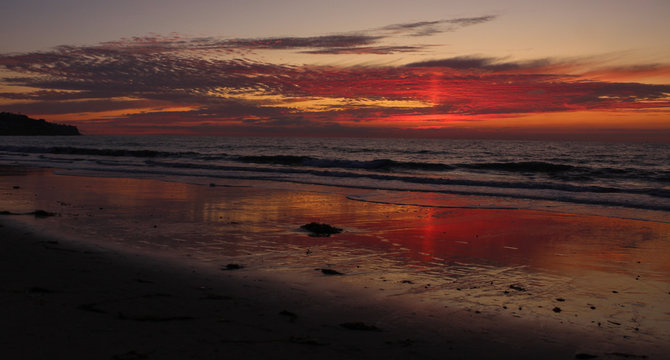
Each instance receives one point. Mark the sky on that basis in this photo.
(520, 69)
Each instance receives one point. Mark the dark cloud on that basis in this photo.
(203, 124)
(378, 50)
(332, 41)
(427, 28)
(422, 28)
(471, 20)
(597, 95)
(48, 95)
(637, 90)
(237, 109)
(69, 107)
(104, 72)
(158, 44)
(137, 48)
(480, 63)
(281, 121)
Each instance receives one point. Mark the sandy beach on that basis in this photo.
(144, 269)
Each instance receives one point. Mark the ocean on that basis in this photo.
(610, 179)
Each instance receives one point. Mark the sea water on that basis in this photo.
(613, 179)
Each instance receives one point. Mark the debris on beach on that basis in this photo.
(318, 229)
(214, 296)
(358, 325)
(232, 267)
(330, 272)
(92, 307)
(41, 290)
(585, 356)
(131, 355)
(557, 309)
(155, 295)
(37, 213)
(517, 287)
(292, 316)
(42, 214)
(627, 355)
(403, 343)
(153, 318)
(305, 341)
(50, 242)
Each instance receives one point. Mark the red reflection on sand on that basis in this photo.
(244, 220)
(549, 241)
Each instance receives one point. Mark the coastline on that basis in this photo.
(87, 298)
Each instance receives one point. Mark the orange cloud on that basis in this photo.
(174, 84)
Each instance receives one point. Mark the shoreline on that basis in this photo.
(83, 299)
(445, 199)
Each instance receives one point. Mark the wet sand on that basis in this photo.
(132, 269)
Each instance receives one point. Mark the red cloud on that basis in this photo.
(172, 71)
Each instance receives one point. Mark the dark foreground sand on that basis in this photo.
(64, 298)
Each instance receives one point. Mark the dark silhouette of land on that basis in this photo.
(16, 124)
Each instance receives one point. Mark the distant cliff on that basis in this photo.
(15, 124)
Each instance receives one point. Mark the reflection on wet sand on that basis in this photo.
(596, 272)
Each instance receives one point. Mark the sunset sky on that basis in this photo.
(523, 69)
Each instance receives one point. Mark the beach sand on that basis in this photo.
(138, 269)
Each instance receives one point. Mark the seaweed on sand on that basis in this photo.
(318, 229)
